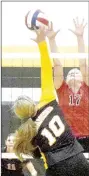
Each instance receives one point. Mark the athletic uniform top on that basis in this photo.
(75, 108)
(54, 137)
(6, 165)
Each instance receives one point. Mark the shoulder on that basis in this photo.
(85, 86)
(63, 87)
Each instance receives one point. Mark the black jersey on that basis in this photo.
(54, 137)
(5, 162)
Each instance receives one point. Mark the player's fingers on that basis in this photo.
(57, 31)
(77, 21)
(33, 39)
(42, 30)
(71, 31)
(51, 25)
(85, 25)
(74, 22)
(36, 31)
(82, 22)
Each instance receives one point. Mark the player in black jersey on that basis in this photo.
(45, 126)
(13, 166)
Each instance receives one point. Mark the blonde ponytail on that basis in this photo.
(23, 138)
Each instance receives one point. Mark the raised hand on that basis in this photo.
(79, 27)
(50, 33)
(40, 34)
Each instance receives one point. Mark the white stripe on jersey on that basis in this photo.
(43, 116)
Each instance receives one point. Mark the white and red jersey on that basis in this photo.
(75, 107)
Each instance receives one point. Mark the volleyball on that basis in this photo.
(36, 18)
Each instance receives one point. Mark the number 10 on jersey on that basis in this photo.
(57, 128)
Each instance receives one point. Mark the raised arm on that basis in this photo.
(84, 68)
(79, 31)
(58, 69)
(47, 86)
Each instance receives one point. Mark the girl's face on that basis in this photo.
(10, 141)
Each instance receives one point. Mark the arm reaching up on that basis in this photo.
(51, 34)
(58, 69)
(79, 31)
(47, 86)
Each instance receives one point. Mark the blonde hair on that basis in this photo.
(24, 107)
(23, 138)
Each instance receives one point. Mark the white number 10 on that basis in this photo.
(56, 131)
